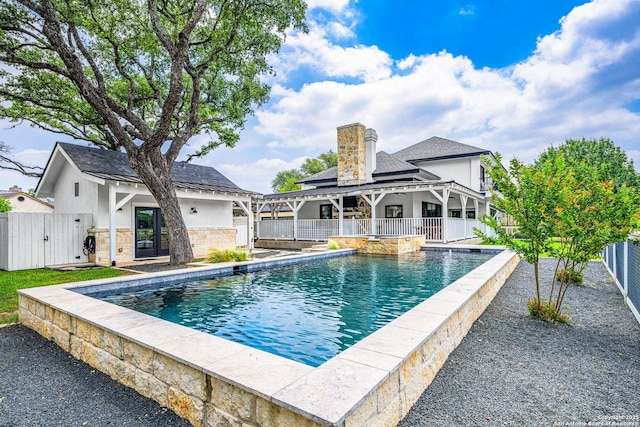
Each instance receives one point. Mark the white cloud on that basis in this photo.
(574, 85)
(257, 175)
(315, 51)
(335, 6)
(467, 10)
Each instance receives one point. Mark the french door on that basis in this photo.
(151, 233)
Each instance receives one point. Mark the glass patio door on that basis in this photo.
(151, 233)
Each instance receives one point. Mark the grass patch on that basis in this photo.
(11, 281)
(546, 311)
(226, 255)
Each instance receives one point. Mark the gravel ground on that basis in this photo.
(513, 370)
(43, 386)
(510, 370)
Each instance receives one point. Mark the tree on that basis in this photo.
(286, 180)
(599, 207)
(565, 207)
(324, 161)
(143, 76)
(5, 206)
(6, 162)
(602, 155)
(529, 195)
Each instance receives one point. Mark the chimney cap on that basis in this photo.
(370, 134)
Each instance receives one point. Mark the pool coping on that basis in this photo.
(375, 381)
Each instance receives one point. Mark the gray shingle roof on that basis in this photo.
(114, 165)
(386, 164)
(436, 148)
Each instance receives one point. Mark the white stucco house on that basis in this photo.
(23, 202)
(436, 187)
(127, 223)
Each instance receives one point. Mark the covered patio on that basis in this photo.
(441, 211)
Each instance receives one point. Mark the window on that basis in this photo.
(455, 213)
(21, 198)
(326, 211)
(393, 211)
(76, 189)
(431, 210)
(471, 214)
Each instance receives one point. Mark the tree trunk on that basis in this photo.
(156, 175)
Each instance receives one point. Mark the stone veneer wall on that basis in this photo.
(207, 399)
(351, 155)
(383, 245)
(202, 240)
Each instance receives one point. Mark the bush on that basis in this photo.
(569, 276)
(333, 246)
(226, 255)
(545, 311)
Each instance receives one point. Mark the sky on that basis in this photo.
(511, 76)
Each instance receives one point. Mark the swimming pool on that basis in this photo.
(306, 312)
(214, 381)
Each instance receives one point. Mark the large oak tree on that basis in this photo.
(143, 76)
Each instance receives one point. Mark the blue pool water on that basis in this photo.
(307, 312)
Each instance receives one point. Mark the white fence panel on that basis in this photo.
(456, 229)
(36, 240)
(240, 224)
(317, 229)
(278, 229)
(4, 242)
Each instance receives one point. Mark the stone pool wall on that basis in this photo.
(214, 382)
(383, 245)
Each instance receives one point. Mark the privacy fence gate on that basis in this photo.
(623, 262)
(36, 240)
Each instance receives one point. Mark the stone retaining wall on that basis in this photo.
(214, 382)
(383, 245)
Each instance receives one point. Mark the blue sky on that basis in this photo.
(510, 76)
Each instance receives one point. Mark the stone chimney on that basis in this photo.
(370, 139)
(15, 189)
(351, 155)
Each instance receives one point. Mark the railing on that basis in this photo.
(623, 263)
(322, 229)
(317, 229)
(275, 230)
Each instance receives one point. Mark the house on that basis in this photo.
(127, 222)
(437, 188)
(23, 202)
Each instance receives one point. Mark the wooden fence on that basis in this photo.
(36, 240)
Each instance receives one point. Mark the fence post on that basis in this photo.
(625, 274)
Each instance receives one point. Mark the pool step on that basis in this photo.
(316, 248)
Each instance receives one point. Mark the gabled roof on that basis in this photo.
(436, 148)
(13, 195)
(114, 165)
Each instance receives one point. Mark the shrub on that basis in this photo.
(546, 311)
(569, 276)
(333, 246)
(226, 255)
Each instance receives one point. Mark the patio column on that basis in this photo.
(463, 203)
(246, 208)
(295, 208)
(112, 225)
(338, 204)
(373, 202)
(113, 208)
(445, 214)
